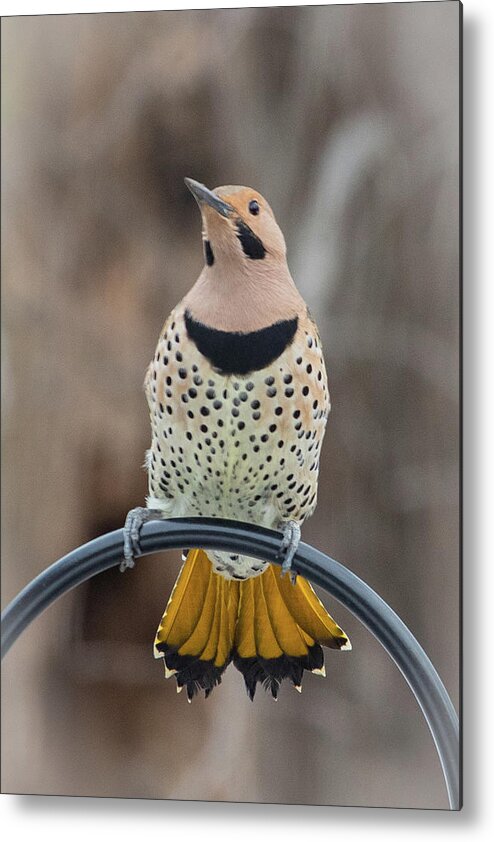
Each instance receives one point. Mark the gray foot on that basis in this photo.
(133, 523)
(289, 546)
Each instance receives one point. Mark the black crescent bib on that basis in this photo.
(231, 352)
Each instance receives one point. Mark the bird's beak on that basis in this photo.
(203, 196)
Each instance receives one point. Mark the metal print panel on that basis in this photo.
(255, 213)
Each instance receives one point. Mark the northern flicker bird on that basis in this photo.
(238, 401)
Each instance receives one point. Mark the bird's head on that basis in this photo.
(245, 283)
(238, 226)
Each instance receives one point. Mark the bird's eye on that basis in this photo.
(254, 207)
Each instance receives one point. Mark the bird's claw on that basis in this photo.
(288, 548)
(133, 524)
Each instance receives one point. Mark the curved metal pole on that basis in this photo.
(398, 641)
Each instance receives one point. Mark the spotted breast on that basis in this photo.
(235, 444)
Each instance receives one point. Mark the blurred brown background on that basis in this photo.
(346, 119)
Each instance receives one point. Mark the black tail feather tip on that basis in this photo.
(270, 672)
(195, 674)
(191, 672)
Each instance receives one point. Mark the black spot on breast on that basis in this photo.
(232, 352)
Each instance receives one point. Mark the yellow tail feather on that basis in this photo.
(309, 611)
(198, 564)
(270, 628)
(285, 628)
